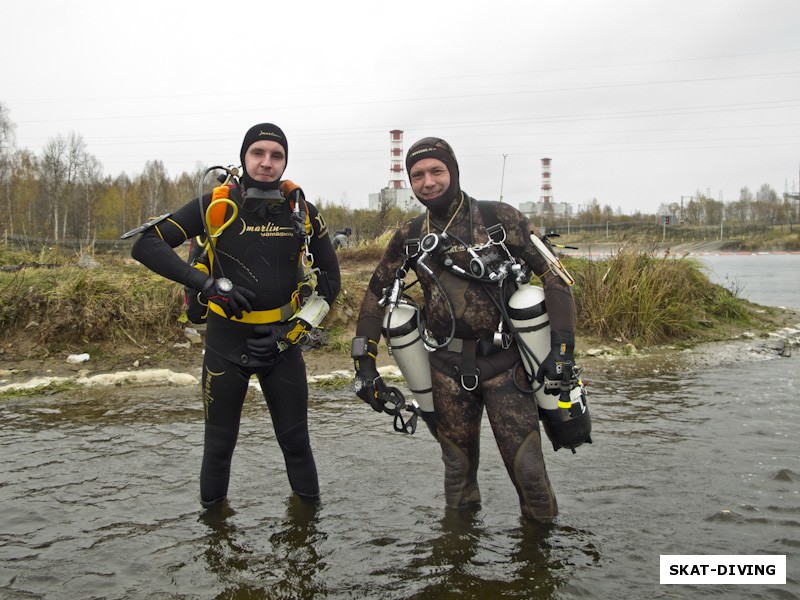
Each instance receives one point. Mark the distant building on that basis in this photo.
(396, 193)
(402, 198)
(559, 210)
(546, 207)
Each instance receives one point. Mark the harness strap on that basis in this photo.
(482, 347)
(260, 317)
(496, 232)
(470, 374)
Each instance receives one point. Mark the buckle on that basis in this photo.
(412, 247)
(475, 376)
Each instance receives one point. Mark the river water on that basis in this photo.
(99, 496)
(767, 279)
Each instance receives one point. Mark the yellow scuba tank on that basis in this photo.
(565, 416)
(408, 350)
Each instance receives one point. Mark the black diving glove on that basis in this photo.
(233, 299)
(368, 384)
(562, 349)
(269, 342)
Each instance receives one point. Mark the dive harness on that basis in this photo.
(491, 264)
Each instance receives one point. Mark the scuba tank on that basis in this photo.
(408, 350)
(565, 416)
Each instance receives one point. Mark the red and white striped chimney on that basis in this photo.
(547, 190)
(397, 180)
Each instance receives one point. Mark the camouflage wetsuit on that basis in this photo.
(512, 413)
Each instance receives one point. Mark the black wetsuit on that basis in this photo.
(259, 251)
(512, 413)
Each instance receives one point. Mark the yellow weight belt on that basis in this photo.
(259, 317)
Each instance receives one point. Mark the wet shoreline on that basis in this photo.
(324, 373)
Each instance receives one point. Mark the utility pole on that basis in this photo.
(502, 177)
(789, 197)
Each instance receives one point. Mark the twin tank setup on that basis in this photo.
(565, 415)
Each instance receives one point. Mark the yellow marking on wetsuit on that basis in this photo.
(207, 397)
(258, 317)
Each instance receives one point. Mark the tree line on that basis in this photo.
(61, 195)
(764, 206)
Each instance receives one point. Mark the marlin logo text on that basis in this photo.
(268, 230)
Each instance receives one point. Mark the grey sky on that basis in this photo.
(637, 102)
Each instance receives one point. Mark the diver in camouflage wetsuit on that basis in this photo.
(471, 372)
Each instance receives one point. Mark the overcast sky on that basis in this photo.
(636, 102)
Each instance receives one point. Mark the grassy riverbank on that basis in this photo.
(114, 307)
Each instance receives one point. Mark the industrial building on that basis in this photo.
(546, 207)
(395, 193)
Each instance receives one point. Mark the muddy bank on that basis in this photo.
(180, 364)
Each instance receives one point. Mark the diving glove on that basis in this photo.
(233, 299)
(368, 384)
(562, 350)
(269, 342)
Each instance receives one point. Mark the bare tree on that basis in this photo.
(77, 157)
(60, 167)
(53, 175)
(767, 205)
(91, 182)
(6, 153)
(187, 184)
(154, 186)
(128, 213)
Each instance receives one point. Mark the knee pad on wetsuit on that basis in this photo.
(536, 497)
(460, 476)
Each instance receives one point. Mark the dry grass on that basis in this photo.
(59, 305)
(634, 296)
(639, 297)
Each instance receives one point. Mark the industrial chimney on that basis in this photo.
(397, 181)
(547, 190)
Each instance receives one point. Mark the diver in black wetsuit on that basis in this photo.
(259, 253)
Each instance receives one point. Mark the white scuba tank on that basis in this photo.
(528, 314)
(565, 417)
(408, 351)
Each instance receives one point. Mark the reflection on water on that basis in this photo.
(99, 497)
(291, 570)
